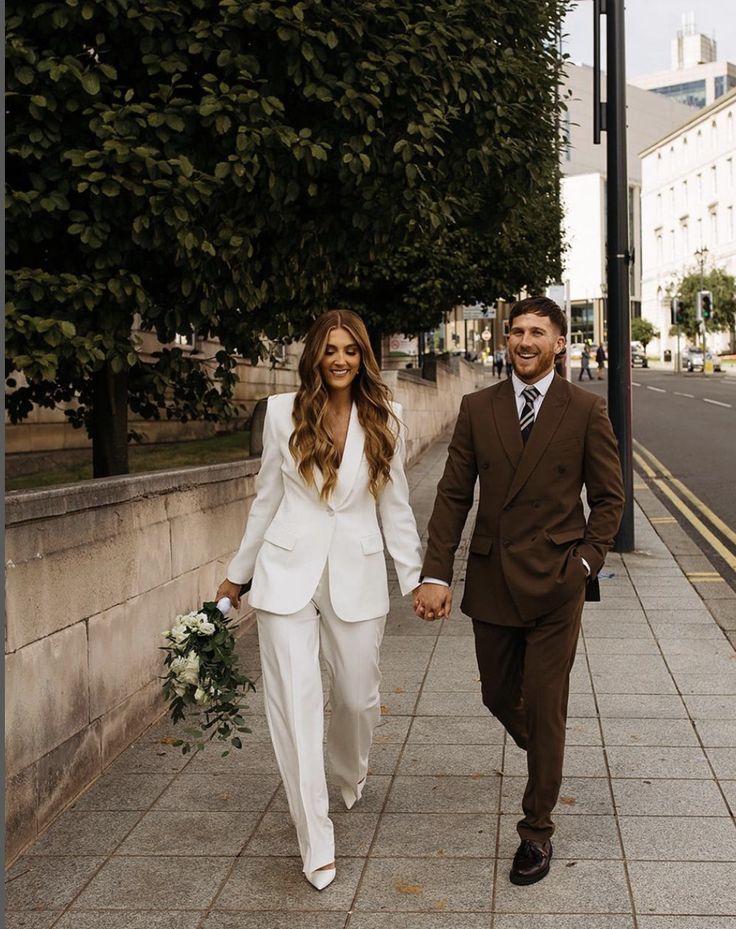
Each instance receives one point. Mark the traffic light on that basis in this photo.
(704, 304)
(677, 311)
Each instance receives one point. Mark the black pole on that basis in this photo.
(618, 258)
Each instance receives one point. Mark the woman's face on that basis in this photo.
(340, 363)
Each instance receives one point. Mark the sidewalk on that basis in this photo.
(645, 837)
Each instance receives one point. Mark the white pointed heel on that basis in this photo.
(350, 797)
(322, 878)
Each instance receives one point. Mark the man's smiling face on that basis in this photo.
(534, 343)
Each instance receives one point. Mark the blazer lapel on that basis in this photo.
(551, 413)
(506, 418)
(351, 459)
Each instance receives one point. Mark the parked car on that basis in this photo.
(692, 359)
(638, 357)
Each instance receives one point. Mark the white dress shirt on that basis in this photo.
(542, 386)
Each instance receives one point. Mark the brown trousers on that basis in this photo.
(525, 682)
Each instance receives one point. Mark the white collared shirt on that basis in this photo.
(542, 386)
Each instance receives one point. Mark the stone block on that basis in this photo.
(65, 772)
(57, 588)
(125, 642)
(46, 687)
(129, 719)
(21, 824)
(200, 535)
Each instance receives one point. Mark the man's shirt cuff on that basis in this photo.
(436, 580)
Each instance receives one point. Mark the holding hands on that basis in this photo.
(432, 601)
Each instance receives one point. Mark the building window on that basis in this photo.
(724, 83)
(714, 226)
(729, 127)
(729, 171)
(581, 319)
(685, 237)
(691, 93)
(729, 223)
(714, 180)
(699, 185)
(660, 247)
(672, 245)
(714, 134)
(659, 208)
(699, 143)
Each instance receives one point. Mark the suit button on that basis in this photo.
(533, 539)
(486, 465)
(507, 508)
(507, 543)
(536, 504)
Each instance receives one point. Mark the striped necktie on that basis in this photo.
(526, 420)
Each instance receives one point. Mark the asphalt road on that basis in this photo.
(688, 422)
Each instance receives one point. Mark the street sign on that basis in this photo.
(486, 335)
(479, 311)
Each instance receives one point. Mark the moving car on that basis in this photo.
(692, 359)
(638, 357)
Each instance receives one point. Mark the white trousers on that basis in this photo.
(292, 689)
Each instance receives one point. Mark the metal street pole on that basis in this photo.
(611, 118)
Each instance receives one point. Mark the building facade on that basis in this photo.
(696, 77)
(584, 196)
(688, 201)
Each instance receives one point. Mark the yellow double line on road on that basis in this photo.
(675, 490)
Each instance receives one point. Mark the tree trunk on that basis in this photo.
(110, 422)
(376, 338)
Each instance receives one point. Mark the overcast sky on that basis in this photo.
(650, 26)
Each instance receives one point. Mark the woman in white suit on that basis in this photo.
(333, 459)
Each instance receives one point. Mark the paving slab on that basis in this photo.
(692, 888)
(654, 797)
(166, 841)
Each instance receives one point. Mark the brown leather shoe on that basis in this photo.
(531, 862)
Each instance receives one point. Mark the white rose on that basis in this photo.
(201, 696)
(206, 628)
(178, 633)
(186, 669)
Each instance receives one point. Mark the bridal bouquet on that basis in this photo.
(203, 677)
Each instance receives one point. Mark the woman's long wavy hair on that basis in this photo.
(311, 443)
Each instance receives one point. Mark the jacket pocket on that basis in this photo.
(566, 535)
(372, 544)
(481, 544)
(278, 535)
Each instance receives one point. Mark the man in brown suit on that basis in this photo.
(533, 441)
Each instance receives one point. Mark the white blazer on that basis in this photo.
(291, 534)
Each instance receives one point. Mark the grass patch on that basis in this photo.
(216, 450)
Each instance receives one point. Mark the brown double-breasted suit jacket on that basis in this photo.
(530, 532)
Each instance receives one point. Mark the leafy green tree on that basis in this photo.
(723, 288)
(229, 167)
(642, 330)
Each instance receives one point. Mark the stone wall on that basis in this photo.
(94, 572)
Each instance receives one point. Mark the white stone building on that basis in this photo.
(688, 200)
(650, 116)
(696, 77)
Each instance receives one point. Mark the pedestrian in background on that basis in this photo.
(585, 364)
(600, 357)
(333, 459)
(509, 366)
(531, 442)
(498, 362)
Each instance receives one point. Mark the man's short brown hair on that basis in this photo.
(540, 306)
